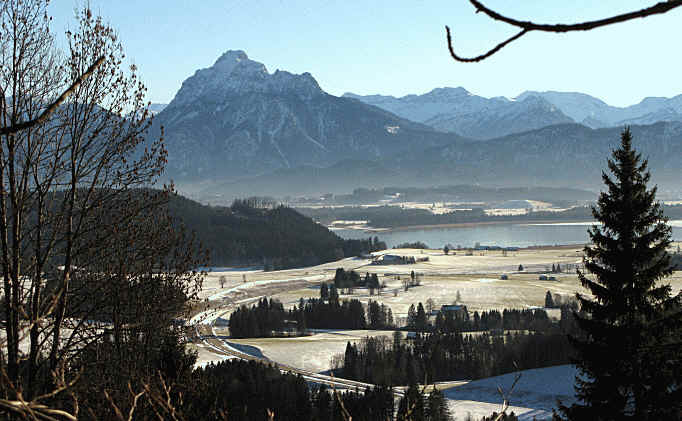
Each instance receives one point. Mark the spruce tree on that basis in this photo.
(411, 317)
(437, 407)
(626, 353)
(324, 292)
(420, 320)
(333, 296)
(411, 407)
(549, 301)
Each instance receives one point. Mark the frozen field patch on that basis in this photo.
(535, 395)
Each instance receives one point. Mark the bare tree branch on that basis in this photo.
(485, 55)
(528, 26)
(53, 107)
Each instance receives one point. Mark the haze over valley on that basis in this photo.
(235, 129)
(387, 213)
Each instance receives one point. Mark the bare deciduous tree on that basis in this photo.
(88, 253)
(430, 305)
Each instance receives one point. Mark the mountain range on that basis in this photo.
(236, 119)
(458, 111)
(237, 129)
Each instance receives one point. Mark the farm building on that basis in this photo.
(457, 310)
(391, 258)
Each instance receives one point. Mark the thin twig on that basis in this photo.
(528, 26)
(344, 412)
(485, 55)
(506, 396)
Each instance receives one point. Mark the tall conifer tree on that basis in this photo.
(627, 358)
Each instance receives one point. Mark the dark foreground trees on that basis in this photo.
(630, 350)
(93, 271)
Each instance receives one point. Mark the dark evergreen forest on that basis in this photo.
(449, 356)
(246, 391)
(251, 232)
(268, 318)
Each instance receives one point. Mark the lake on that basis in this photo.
(504, 235)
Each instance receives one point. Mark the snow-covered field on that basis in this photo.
(237, 280)
(534, 396)
(482, 262)
(311, 353)
(477, 293)
(205, 356)
(457, 262)
(476, 277)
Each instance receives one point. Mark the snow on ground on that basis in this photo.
(534, 396)
(237, 280)
(312, 353)
(519, 291)
(253, 284)
(205, 356)
(483, 261)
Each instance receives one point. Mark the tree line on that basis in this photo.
(450, 321)
(268, 317)
(347, 280)
(508, 319)
(449, 356)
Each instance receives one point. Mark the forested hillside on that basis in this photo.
(253, 232)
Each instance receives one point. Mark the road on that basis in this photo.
(205, 333)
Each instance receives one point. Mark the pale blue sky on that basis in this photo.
(397, 47)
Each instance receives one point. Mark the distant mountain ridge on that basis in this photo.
(555, 156)
(235, 119)
(595, 113)
(559, 155)
(457, 110)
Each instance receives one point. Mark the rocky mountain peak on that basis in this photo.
(448, 93)
(235, 74)
(232, 60)
(232, 55)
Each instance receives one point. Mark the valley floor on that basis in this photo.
(476, 278)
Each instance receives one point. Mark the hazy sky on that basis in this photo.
(398, 47)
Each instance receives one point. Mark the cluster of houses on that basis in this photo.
(479, 247)
(394, 259)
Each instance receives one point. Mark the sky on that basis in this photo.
(398, 47)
